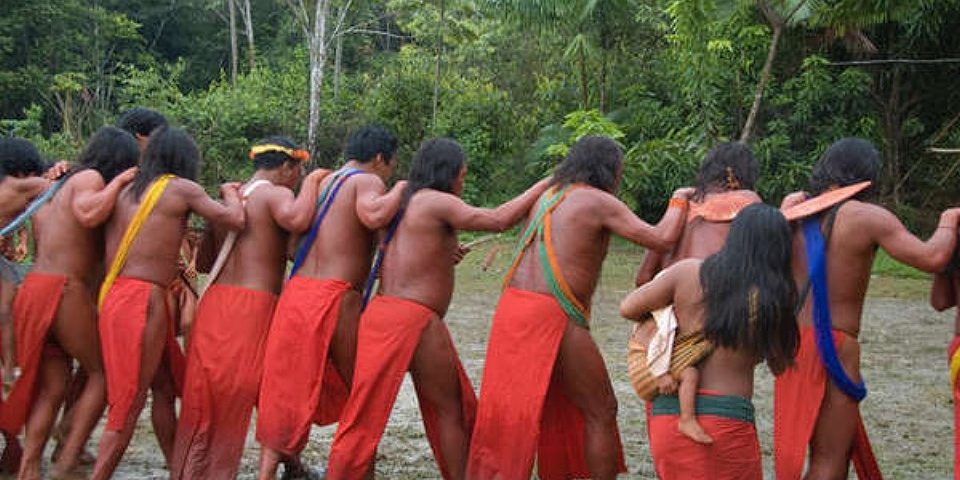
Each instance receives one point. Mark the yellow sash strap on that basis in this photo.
(133, 229)
(954, 368)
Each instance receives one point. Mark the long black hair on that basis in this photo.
(171, 150)
(110, 151)
(728, 166)
(141, 121)
(436, 165)
(18, 157)
(846, 162)
(749, 290)
(593, 160)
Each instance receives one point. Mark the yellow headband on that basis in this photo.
(301, 155)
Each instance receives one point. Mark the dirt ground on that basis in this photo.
(908, 411)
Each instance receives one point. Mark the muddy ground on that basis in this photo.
(908, 411)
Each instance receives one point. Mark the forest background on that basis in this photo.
(514, 81)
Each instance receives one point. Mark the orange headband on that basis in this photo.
(301, 155)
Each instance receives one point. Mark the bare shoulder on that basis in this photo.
(366, 181)
(688, 267)
(84, 179)
(186, 185)
(865, 214)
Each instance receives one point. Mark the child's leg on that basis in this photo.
(689, 382)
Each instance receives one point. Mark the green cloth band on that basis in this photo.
(726, 406)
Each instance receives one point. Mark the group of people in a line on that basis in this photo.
(728, 282)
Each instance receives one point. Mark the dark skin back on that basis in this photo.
(272, 213)
(419, 262)
(347, 238)
(69, 240)
(860, 228)
(582, 225)
(700, 239)
(154, 255)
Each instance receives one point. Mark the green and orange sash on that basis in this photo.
(539, 229)
(130, 234)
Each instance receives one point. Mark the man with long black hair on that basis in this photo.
(143, 236)
(235, 311)
(55, 315)
(402, 329)
(545, 385)
(816, 405)
(309, 357)
(742, 300)
(141, 123)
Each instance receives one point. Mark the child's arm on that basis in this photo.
(666, 384)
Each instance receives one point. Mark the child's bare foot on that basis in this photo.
(691, 428)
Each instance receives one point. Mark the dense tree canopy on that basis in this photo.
(514, 81)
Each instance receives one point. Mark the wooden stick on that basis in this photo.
(481, 240)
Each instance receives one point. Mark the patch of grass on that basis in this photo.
(886, 266)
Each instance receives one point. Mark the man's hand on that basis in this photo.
(666, 384)
(685, 193)
(58, 170)
(230, 188)
(793, 199)
(462, 251)
(126, 176)
(317, 175)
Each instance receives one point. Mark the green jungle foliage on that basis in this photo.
(517, 82)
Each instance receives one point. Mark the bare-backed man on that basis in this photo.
(235, 311)
(545, 385)
(143, 238)
(311, 346)
(816, 404)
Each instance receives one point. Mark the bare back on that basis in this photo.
(419, 261)
(344, 245)
(259, 255)
(154, 254)
(64, 246)
(581, 241)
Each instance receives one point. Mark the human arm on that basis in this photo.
(652, 263)
(30, 187)
(375, 209)
(655, 294)
(92, 202)
(943, 294)
(619, 219)
(929, 256)
(462, 216)
(228, 214)
(294, 214)
(793, 199)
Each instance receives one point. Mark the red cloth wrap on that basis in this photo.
(954, 345)
(230, 331)
(798, 395)
(390, 331)
(522, 400)
(734, 454)
(300, 385)
(123, 318)
(34, 309)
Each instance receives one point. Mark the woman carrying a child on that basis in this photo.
(742, 299)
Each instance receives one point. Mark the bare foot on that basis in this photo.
(29, 471)
(691, 428)
(74, 474)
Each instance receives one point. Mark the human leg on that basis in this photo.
(75, 328)
(163, 414)
(687, 424)
(54, 373)
(437, 381)
(113, 443)
(836, 426)
(587, 384)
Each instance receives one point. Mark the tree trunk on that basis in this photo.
(248, 26)
(584, 88)
(336, 67)
(318, 57)
(749, 126)
(436, 78)
(231, 8)
(603, 81)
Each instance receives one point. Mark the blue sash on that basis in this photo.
(324, 202)
(35, 205)
(378, 260)
(822, 323)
